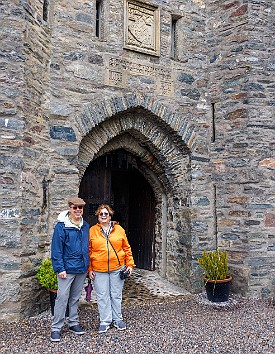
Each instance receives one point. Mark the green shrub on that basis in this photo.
(46, 275)
(214, 264)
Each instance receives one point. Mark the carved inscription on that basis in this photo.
(166, 88)
(120, 70)
(141, 27)
(115, 78)
(139, 69)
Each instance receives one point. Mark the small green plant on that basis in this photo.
(214, 264)
(46, 275)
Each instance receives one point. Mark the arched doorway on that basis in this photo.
(115, 179)
(158, 142)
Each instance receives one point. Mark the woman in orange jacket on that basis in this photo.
(111, 261)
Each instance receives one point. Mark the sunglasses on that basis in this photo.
(75, 207)
(104, 214)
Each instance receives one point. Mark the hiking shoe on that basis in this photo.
(103, 328)
(77, 330)
(120, 325)
(55, 336)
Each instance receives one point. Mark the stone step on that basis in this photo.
(141, 286)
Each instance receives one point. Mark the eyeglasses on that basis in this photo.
(104, 214)
(75, 207)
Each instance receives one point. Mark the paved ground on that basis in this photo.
(160, 318)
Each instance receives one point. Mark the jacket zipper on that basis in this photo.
(108, 249)
(81, 238)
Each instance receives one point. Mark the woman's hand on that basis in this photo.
(129, 270)
(92, 275)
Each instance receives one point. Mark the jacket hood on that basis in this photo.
(64, 217)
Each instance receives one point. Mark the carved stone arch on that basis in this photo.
(98, 111)
(166, 154)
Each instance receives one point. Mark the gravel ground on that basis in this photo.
(168, 325)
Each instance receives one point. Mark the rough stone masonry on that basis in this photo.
(185, 87)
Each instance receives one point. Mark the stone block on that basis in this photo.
(270, 220)
(62, 133)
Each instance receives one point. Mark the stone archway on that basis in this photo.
(99, 111)
(164, 160)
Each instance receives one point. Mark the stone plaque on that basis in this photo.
(166, 88)
(115, 78)
(141, 27)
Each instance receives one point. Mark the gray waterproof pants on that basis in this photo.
(108, 287)
(68, 289)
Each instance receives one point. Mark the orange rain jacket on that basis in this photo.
(102, 255)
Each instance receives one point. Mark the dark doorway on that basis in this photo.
(115, 179)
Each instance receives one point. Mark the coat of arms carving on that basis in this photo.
(141, 27)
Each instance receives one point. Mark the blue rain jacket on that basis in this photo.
(70, 246)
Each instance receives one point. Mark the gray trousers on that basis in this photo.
(108, 288)
(70, 289)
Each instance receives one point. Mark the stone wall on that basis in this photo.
(12, 160)
(197, 112)
(260, 190)
(24, 130)
(241, 155)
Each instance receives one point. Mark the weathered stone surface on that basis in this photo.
(240, 11)
(187, 78)
(270, 220)
(194, 111)
(62, 133)
(269, 163)
(193, 94)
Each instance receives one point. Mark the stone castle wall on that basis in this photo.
(205, 116)
(242, 155)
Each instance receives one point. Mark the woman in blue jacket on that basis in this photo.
(70, 260)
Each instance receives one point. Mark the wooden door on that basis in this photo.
(95, 189)
(113, 180)
(142, 221)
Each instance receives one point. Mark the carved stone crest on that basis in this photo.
(141, 27)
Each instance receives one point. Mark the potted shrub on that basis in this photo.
(216, 278)
(48, 279)
(46, 275)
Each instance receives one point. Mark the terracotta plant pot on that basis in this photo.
(217, 290)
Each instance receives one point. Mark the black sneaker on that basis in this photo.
(55, 336)
(77, 330)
